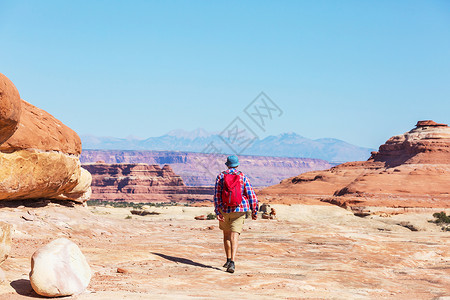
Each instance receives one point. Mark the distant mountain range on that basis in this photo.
(282, 145)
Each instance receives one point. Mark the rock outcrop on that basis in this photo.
(410, 171)
(141, 183)
(39, 155)
(82, 191)
(59, 269)
(40, 130)
(199, 169)
(10, 108)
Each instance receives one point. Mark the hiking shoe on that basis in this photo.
(231, 267)
(227, 264)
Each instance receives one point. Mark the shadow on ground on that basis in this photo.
(35, 203)
(185, 261)
(23, 287)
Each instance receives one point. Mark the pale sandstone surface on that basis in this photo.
(312, 252)
(2, 276)
(10, 108)
(59, 269)
(5, 241)
(82, 191)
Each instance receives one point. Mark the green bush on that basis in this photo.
(441, 218)
(125, 204)
(211, 216)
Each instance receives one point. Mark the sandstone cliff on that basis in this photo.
(141, 183)
(198, 169)
(38, 153)
(410, 171)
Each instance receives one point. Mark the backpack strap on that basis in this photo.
(237, 173)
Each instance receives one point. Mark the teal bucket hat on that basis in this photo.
(232, 161)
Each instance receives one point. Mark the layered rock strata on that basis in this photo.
(141, 183)
(39, 155)
(200, 169)
(410, 171)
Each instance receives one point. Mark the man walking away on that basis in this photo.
(233, 197)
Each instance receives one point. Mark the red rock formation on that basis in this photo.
(141, 183)
(430, 123)
(410, 170)
(38, 153)
(10, 108)
(428, 143)
(40, 130)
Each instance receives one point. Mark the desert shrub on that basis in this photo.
(441, 218)
(128, 217)
(211, 216)
(125, 204)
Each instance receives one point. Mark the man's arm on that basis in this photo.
(218, 197)
(252, 199)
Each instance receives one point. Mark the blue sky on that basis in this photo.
(360, 71)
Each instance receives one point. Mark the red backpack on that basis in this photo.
(232, 189)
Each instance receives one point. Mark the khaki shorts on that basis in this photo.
(234, 221)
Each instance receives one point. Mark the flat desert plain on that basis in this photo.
(308, 252)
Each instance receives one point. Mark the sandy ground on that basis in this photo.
(309, 252)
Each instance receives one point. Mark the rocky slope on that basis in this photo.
(38, 153)
(198, 169)
(410, 171)
(141, 183)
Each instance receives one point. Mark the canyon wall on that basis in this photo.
(199, 169)
(142, 183)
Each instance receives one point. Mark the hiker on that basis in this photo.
(233, 197)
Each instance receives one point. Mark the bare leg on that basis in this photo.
(234, 237)
(227, 243)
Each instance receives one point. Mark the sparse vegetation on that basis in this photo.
(442, 219)
(143, 212)
(125, 204)
(128, 217)
(211, 216)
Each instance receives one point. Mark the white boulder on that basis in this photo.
(59, 269)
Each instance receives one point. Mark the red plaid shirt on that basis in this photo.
(249, 200)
